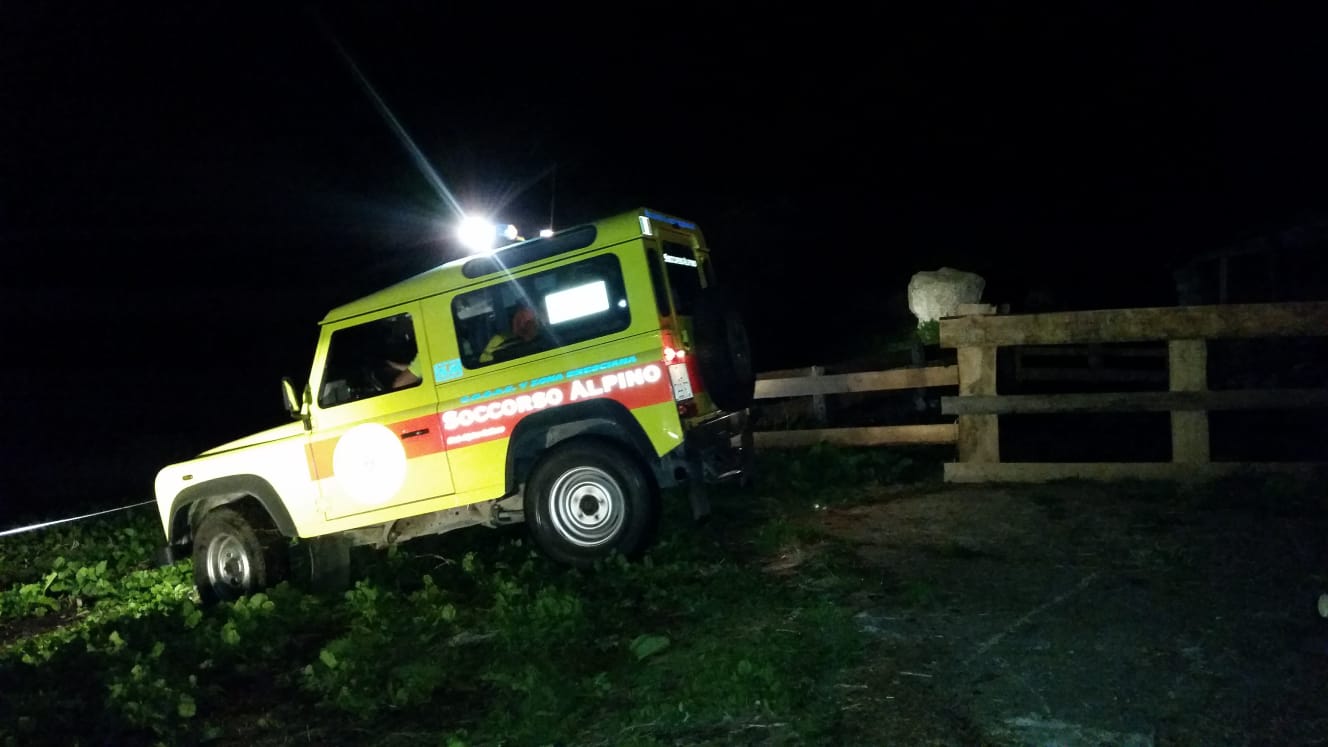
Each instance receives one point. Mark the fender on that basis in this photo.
(206, 496)
(605, 418)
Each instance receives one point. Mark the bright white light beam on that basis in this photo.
(476, 234)
(403, 137)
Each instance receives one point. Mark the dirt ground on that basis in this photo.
(1087, 614)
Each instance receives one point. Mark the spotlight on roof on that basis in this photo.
(477, 234)
(481, 235)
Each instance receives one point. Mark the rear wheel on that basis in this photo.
(235, 555)
(586, 500)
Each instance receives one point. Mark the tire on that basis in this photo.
(588, 499)
(723, 351)
(235, 555)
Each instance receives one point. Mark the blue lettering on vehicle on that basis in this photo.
(488, 394)
(541, 381)
(601, 367)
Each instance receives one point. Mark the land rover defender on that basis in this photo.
(562, 381)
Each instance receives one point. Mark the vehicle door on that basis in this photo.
(376, 441)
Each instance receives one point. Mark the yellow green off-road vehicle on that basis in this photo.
(561, 381)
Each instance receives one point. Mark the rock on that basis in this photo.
(932, 295)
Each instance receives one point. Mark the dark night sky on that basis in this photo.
(184, 194)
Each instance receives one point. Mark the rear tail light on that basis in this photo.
(670, 348)
(675, 359)
(672, 353)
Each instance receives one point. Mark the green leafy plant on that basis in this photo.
(929, 333)
(820, 472)
(525, 651)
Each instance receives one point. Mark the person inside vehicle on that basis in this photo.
(524, 329)
(397, 371)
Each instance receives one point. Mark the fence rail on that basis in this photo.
(1099, 364)
(1237, 399)
(1186, 331)
(815, 385)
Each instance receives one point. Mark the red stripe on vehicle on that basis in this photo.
(636, 387)
(479, 423)
(421, 436)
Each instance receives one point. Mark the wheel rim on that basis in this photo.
(587, 506)
(228, 568)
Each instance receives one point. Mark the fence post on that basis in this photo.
(818, 400)
(917, 354)
(979, 435)
(1187, 366)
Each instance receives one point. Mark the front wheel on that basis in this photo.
(586, 500)
(234, 556)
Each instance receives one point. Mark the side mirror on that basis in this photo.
(289, 398)
(294, 406)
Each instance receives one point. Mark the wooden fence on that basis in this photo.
(1089, 364)
(813, 383)
(1185, 330)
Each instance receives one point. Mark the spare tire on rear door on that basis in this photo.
(722, 350)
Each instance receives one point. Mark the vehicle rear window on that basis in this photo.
(684, 276)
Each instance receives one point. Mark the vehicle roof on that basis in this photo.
(450, 276)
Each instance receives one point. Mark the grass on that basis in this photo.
(470, 638)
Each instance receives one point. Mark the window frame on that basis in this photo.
(366, 368)
(606, 267)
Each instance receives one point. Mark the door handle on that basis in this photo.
(413, 434)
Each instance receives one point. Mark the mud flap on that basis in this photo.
(748, 458)
(164, 556)
(696, 487)
(329, 563)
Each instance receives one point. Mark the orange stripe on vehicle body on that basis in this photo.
(320, 458)
(419, 436)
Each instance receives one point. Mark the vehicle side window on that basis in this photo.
(370, 359)
(541, 312)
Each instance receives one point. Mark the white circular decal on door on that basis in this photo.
(370, 464)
